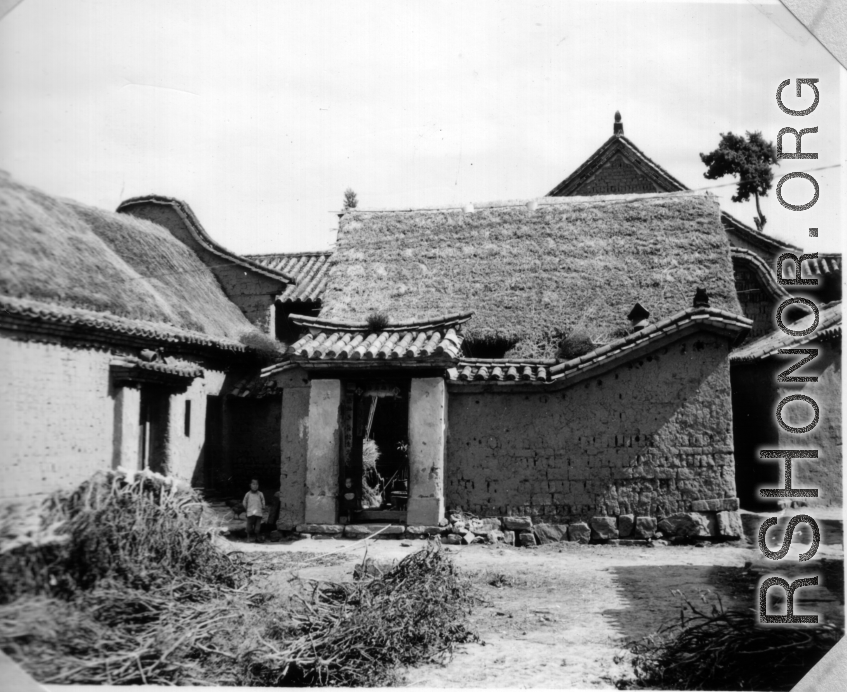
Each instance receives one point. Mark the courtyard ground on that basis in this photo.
(559, 615)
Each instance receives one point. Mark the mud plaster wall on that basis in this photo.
(293, 446)
(756, 394)
(648, 437)
(253, 293)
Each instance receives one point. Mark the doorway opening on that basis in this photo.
(374, 483)
(153, 429)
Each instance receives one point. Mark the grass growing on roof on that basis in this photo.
(525, 273)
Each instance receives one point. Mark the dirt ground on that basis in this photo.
(558, 615)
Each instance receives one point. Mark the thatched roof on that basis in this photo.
(531, 270)
(62, 253)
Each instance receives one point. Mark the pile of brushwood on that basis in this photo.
(727, 650)
(122, 582)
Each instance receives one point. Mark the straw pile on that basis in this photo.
(120, 582)
(728, 650)
(361, 633)
(528, 273)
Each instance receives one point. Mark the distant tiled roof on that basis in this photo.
(829, 327)
(308, 269)
(664, 181)
(546, 372)
(30, 315)
(337, 342)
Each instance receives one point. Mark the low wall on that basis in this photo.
(650, 438)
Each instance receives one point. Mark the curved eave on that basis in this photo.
(196, 229)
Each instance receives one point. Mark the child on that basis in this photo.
(254, 503)
(348, 499)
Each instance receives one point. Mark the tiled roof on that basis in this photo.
(500, 370)
(308, 269)
(829, 327)
(132, 369)
(328, 341)
(80, 323)
(825, 263)
(505, 371)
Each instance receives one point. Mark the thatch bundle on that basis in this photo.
(64, 253)
(529, 274)
(120, 583)
(361, 633)
(139, 529)
(728, 650)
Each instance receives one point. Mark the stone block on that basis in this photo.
(603, 528)
(495, 536)
(509, 537)
(527, 538)
(550, 533)
(626, 524)
(685, 525)
(459, 528)
(452, 539)
(319, 528)
(364, 530)
(645, 527)
(579, 532)
(517, 523)
(479, 526)
(414, 531)
(468, 537)
(728, 525)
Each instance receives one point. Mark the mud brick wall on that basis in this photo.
(649, 437)
(252, 292)
(56, 416)
(756, 394)
(618, 176)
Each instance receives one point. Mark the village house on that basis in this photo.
(119, 339)
(438, 344)
(606, 354)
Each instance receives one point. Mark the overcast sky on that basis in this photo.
(260, 113)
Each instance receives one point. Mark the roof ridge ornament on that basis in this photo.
(618, 128)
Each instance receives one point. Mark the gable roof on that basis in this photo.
(199, 235)
(308, 269)
(620, 145)
(527, 270)
(829, 327)
(62, 253)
